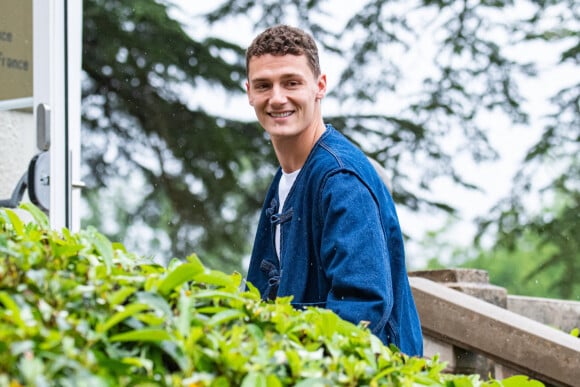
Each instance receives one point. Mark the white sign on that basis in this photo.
(15, 49)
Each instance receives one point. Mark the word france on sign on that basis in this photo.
(15, 49)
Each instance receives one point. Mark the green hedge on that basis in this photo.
(78, 310)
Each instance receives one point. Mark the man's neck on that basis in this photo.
(292, 152)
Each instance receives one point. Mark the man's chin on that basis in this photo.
(278, 128)
(281, 132)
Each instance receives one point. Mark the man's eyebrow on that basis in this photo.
(254, 80)
(283, 76)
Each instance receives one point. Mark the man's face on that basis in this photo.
(285, 94)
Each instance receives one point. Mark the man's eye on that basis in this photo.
(293, 83)
(261, 86)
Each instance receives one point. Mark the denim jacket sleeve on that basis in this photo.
(354, 253)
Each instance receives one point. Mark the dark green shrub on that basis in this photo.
(78, 310)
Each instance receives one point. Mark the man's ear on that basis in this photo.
(321, 84)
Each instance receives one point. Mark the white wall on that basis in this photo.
(17, 147)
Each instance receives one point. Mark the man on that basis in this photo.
(328, 234)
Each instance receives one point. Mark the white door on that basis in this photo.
(57, 31)
(40, 70)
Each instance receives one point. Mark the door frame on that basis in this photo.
(57, 58)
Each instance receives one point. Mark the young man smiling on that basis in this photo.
(328, 233)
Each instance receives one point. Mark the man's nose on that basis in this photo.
(278, 95)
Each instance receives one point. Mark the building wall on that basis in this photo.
(17, 147)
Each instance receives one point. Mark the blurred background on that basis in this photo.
(472, 107)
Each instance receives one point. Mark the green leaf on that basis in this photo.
(128, 311)
(120, 295)
(173, 263)
(151, 319)
(39, 217)
(218, 278)
(255, 379)
(521, 381)
(314, 382)
(139, 362)
(462, 381)
(294, 362)
(216, 294)
(103, 246)
(181, 274)
(33, 371)
(155, 301)
(147, 334)
(193, 258)
(273, 381)
(184, 306)
(16, 222)
(12, 307)
(225, 316)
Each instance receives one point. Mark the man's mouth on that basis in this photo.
(280, 115)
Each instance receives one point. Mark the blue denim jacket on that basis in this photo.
(341, 245)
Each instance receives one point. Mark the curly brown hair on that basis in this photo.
(283, 40)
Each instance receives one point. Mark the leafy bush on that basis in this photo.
(76, 309)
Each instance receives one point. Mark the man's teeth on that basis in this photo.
(280, 115)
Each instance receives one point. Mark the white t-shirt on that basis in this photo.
(286, 182)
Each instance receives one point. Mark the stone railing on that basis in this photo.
(478, 328)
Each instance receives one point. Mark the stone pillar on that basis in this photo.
(474, 282)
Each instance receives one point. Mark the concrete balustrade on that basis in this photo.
(465, 322)
(474, 282)
(560, 314)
